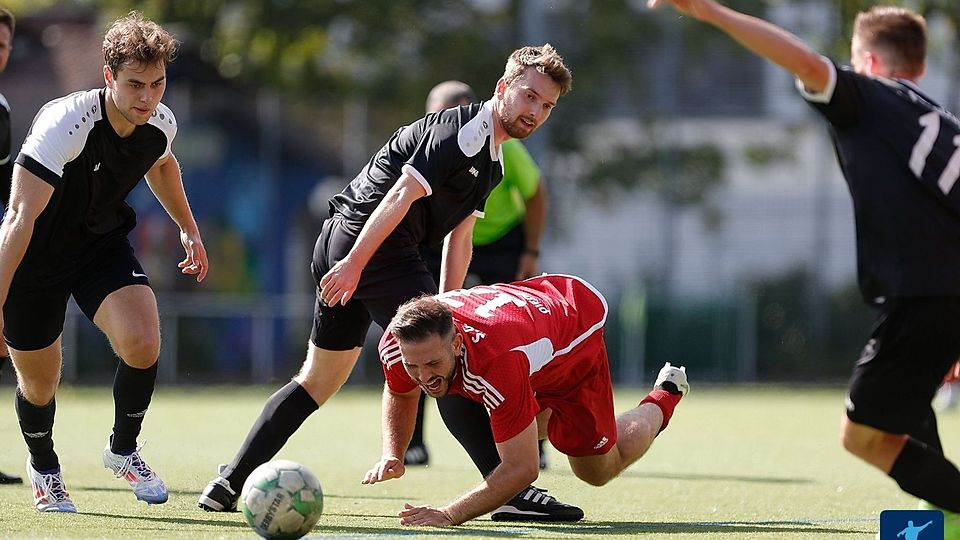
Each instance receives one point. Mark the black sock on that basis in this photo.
(925, 473)
(417, 439)
(283, 413)
(36, 424)
(469, 423)
(927, 432)
(132, 390)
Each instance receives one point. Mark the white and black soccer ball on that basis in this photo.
(281, 500)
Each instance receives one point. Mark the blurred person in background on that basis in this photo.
(65, 234)
(506, 241)
(7, 25)
(532, 352)
(427, 184)
(898, 150)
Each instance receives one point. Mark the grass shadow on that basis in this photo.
(716, 477)
(173, 520)
(671, 476)
(400, 530)
(598, 528)
(125, 489)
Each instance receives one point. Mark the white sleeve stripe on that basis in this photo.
(480, 386)
(390, 354)
(825, 95)
(479, 214)
(409, 169)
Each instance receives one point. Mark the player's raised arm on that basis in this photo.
(762, 38)
(341, 281)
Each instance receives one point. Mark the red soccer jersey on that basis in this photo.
(526, 345)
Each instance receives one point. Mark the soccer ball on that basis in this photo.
(281, 499)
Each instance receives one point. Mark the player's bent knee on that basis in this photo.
(864, 442)
(38, 392)
(140, 350)
(594, 478)
(593, 475)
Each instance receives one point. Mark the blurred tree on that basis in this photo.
(389, 51)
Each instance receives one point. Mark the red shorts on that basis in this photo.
(583, 422)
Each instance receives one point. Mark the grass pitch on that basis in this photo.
(735, 463)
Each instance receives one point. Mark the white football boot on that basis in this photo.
(147, 486)
(675, 375)
(49, 493)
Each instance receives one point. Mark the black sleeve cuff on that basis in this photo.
(39, 170)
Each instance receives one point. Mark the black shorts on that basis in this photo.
(395, 274)
(33, 315)
(912, 347)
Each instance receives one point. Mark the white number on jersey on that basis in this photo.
(487, 308)
(923, 147)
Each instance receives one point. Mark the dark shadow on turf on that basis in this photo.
(125, 489)
(683, 476)
(365, 497)
(173, 520)
(392, 532)
(681, 528)
(715, 477)
(122, 489)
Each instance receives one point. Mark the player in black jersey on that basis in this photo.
(65, 234)
(7, 25)
(427, 184)
(900, 155)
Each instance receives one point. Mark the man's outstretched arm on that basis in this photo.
(762, 38)
(519, 467)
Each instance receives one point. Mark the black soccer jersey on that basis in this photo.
(72, 146)
(6, 162)
(900, 154)
(451, 153)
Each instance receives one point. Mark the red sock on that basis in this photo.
(666, 401)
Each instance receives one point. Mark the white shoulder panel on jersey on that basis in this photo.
(472, 135)
(4, 103)
(825, 95)
(60, 130)
(163, 118)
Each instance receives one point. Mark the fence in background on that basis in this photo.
(754, 335)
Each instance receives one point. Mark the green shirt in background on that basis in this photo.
(506, 204)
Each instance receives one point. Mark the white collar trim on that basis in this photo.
(472, 135)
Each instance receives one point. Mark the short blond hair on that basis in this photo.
(134, 39)
(545, 59)
(898, 34)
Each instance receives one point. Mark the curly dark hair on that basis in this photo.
(139, 41)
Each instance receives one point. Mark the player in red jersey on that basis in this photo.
(532, 353)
